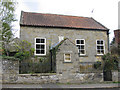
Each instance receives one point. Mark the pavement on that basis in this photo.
(27, 86)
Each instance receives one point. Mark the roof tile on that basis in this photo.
(53, 20)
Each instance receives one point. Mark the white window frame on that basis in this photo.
(100, 45)
(40, 44)
(65, 58)
(81, 44)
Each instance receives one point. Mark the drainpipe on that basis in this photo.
(108, 41)
(51, 59)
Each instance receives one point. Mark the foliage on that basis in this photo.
(7, 9)
(113, 41)
(42, 59)
(24, 50)
(97, 65)
(115, 50)
(110, 62)
(9, 57)
(22, 55)
(36, 67)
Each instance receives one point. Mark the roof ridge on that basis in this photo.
(57, 14)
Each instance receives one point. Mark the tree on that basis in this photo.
(110, 62)
(24, 50)
(115, 49)
(7, 9)
(113, 41)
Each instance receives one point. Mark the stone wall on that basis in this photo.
(10, 71)
(51, 35)
(115, 76)
(59, 78)
(68, 69)
(11, 75)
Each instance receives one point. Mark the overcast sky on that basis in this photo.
(104, 11)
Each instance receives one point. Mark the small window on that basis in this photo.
(40, 46)
(100, 47)
(67, 57)
(61, 38)
(80, 43)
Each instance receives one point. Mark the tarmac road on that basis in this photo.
(110, 86)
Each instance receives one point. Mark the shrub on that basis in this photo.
(110, 62)
(24, 50)
(97, 65)
(9, 58)
(22, 55)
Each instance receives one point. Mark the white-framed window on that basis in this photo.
(67, 57)
(100, 47)
(61, 38)
(40, 46)
(80, 43)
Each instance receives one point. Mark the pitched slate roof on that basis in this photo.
(54, 20)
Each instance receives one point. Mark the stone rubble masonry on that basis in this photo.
(52, 36)
(10, 71)
(11, 75)
(67, 69)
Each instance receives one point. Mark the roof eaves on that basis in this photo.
(63, 27)
(60, 43)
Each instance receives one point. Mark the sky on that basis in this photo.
(104, 11)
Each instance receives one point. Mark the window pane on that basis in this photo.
(78, 41)
(101, 42)
(82, 41)
(102, 51)
(98, 51)
(42, 46)
(37, 46)
(82, 52)
(42, 51)
(37, 51)
(98, 42)
(78, 46)
(82, 46)
(102, 47)
(98, 47)
(37, 40)
(67, 55)
(42, 40)
(67, 58)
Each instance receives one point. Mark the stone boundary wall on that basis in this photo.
(58, 78)
(10, 71)
(115, 76)
(11, 75)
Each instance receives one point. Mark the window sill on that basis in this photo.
(99, 55)
(83, 55)
(39, 54)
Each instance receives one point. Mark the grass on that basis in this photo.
(116, 82)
